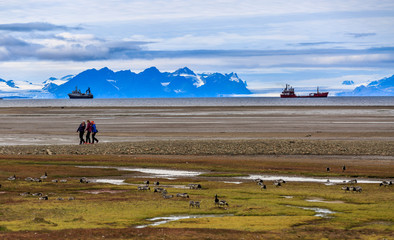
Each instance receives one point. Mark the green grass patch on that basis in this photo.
(110, 206)
(244, 223)
(3, 229)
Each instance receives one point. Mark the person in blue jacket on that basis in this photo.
(94, 132)
(81, 130)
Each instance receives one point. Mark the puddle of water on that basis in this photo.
(304, 179)
(121, 182)
(158, 173)
(232, 182)
(319, 212)
(287, 197)
(174, 174)
(319, 200)
(112, 181)
(162, 220)
(104, 191)
(329, 184)
(163, 173)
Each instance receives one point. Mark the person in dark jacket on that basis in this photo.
(81, 130)
(88, 131)
(94, 132)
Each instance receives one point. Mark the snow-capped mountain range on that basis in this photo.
(382, 87)
(105, 83)
(21, 89)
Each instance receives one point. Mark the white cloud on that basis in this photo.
(4, 54)
(348, 59)
(219, 41)
(114, 32)
(77, 37)
(74, 11)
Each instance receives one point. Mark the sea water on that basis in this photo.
(185, 102)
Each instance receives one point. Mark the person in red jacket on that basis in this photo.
(88, 131)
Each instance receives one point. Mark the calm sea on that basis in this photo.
(233, 101)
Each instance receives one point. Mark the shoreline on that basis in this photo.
(213, 147)
(238, 101)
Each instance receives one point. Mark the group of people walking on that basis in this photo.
(89, 128)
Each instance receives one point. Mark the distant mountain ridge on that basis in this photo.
(105, 83)
(9, 83)
(382, 87)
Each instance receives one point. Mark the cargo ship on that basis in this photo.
(288, 92)
(78, 94)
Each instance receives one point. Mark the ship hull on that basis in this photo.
(312, 95)
(72, 96)
(318, 95)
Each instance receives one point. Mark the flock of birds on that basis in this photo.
(276, 183)
(40, 195)
(145, 187)
(328, 169)
(358, 189)
(192, 203)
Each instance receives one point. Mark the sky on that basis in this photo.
(267, 43)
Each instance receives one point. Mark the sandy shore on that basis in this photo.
(201, 130)
(57, 125)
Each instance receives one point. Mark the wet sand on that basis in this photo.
(58, 125)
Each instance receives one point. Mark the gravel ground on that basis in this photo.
(212, 147)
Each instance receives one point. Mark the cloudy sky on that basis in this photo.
(268, 43)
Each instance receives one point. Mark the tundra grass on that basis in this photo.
(243, 223)
(251, 209)
(292, 165)
(133, 207)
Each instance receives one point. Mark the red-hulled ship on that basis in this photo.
(288, 92)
